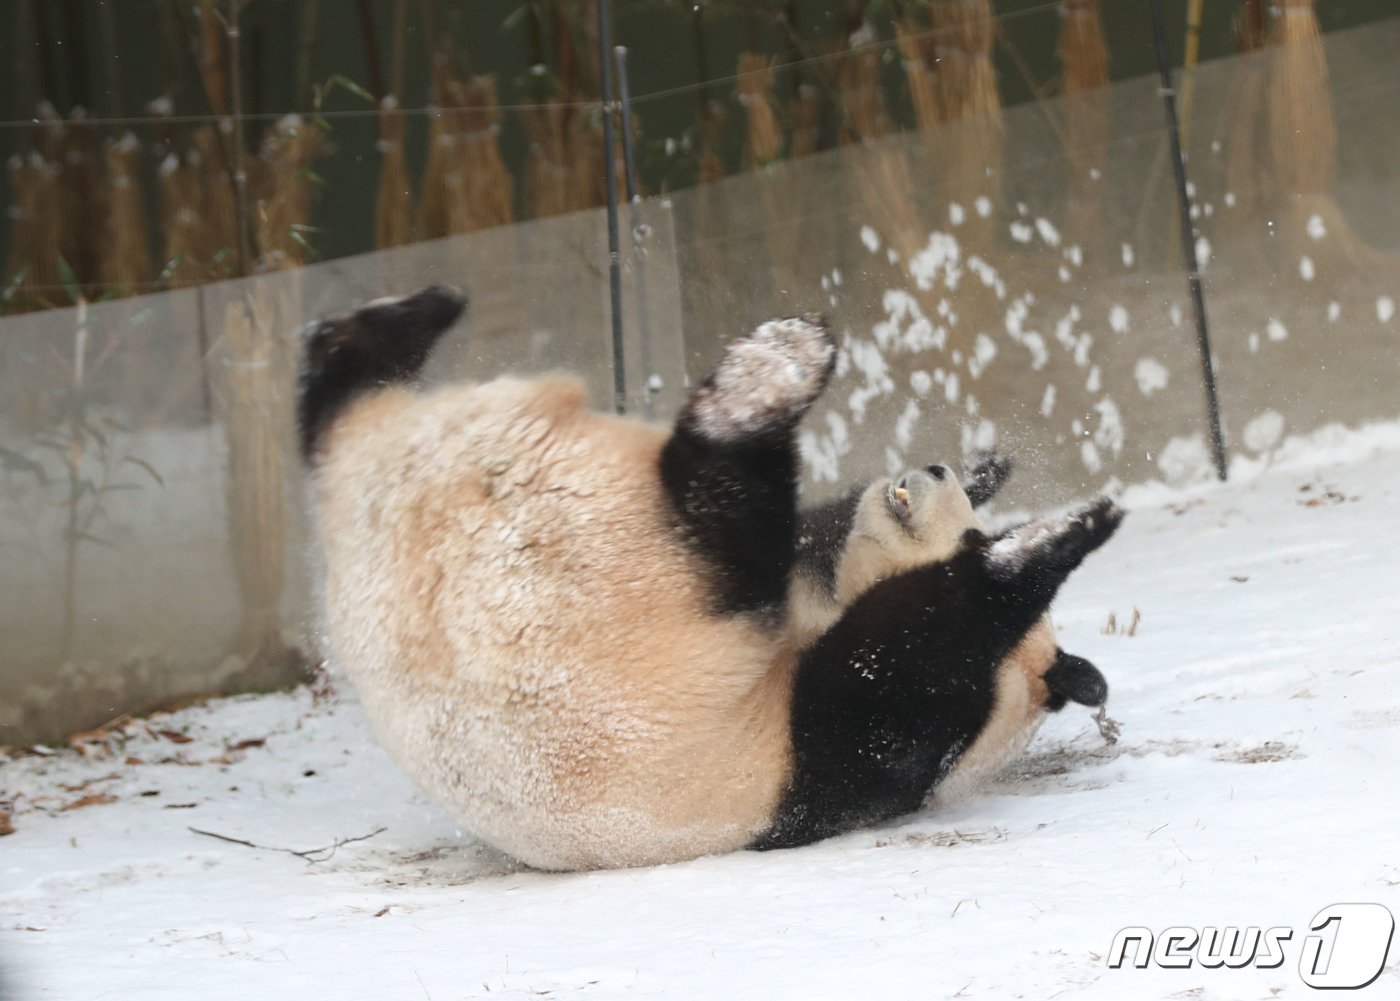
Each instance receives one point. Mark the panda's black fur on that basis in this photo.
(870, 727)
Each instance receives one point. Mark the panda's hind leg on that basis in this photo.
(383, 342)
(730, 468)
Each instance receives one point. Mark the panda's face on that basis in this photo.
(902, 522)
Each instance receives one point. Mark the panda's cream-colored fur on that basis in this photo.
(595, 714)
(877, 547)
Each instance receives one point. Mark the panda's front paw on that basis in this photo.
(984, 475)
(1053, 547)
(765, 381)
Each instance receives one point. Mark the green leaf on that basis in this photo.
(170, 267)
(70, 280)
(352, 87)
(8, 292)
(143, 464)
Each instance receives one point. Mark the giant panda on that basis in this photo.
(890, 525)
(572, 630)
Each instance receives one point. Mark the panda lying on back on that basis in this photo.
(602, 643)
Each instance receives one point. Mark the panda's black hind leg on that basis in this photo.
(730, 468)
(382, 342)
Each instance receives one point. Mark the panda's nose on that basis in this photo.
(938, 471)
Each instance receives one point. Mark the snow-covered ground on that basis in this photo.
(1254, 783)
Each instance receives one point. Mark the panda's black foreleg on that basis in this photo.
(731, 467)
(889, 698)
(382, 342)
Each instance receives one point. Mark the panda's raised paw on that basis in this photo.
(765, 381)
(1054, 546)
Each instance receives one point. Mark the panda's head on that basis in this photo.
(899, 523)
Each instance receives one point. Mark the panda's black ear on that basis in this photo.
(1074, 679)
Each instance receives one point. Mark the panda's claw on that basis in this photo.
(765, 381)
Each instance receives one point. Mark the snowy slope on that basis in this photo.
(1254, 783)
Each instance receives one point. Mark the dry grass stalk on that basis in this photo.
(806, 122)
(1302, 132)
(393, 206)
(36, 226)
(712, 125)
(81, 187)
(968, 94)
(923, 92)
(547, 179)
(489, 192)
(284, 205)
(218, 251)
(255, 418)
(126, 253)
(432, 206)
(1084, 57)
(180, 206)
(862, 105)
(587, 183)
(1249, 168)
(763, 139)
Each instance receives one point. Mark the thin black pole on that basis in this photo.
(1188, 240)
(610, 174)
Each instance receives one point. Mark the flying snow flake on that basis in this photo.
(1095, 381)
(1151, 376)
(1021, 208)
(904, 425)
(1109, 434)
(983, 205)
(1230, 199)
(870, 238)
(894, 464)
(1064, 273)
(921, 382)
(950, 387)
(985, 436)
(1334, 311)
(1047, 402)
(1081, 349)
(983, 352)
(1202, 252)
(1089, 455)
(1190, 189)
(1035, 344)
(1174, 314)
(956, 214)
(941, 254)
(1021, 232)
(1185, 459)
(892, 256)
(1074, 253)
(836, 276)
(1317, 229)
(1254, 344)
(1047, 231)
(1118, 319)
(1306, 270)
(1129, 255)
(1385, 308)
(655, 383)
(1276, 330)
(1264, 432)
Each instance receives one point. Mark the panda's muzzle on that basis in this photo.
(1074, 679)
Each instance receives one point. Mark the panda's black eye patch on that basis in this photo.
(1074, 679)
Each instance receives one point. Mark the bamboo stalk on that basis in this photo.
(1083, 55)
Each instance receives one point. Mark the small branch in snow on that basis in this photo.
(310, 855)
(1109, 728)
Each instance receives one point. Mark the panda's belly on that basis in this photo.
(532, 646)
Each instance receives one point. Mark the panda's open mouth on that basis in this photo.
(897, 500)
